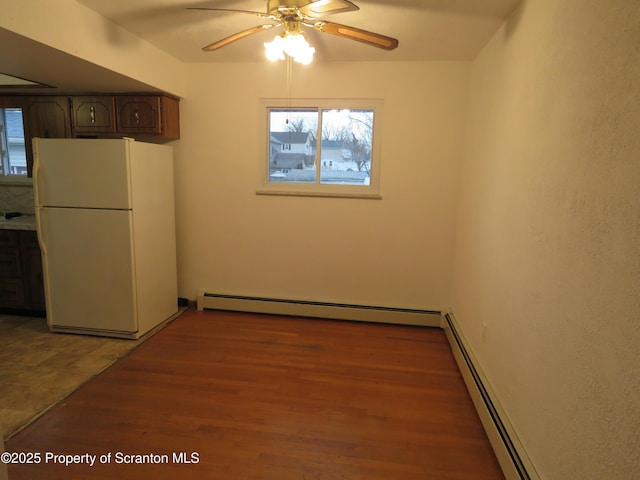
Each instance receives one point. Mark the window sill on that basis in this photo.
(16, 180)
(297, 193)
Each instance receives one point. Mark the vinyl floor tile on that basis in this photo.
(39, 368)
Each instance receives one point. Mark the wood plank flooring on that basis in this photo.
(256, 397)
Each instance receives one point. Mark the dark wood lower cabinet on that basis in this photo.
(11, 292)
(21, 280)
(32, 270)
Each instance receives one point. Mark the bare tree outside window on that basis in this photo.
(347, 137)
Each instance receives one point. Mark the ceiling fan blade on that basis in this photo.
(236, 36)
(250, 12)
(353, 33)
(326, 7)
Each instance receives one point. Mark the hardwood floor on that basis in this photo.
(246, 396)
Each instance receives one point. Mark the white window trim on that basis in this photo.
(371, 191)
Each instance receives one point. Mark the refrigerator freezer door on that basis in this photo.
(82, 173)
(88, 269)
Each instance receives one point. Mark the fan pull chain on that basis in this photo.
(289, 68)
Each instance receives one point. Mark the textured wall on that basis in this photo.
(548, 247)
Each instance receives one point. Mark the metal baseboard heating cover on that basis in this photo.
(305, 308)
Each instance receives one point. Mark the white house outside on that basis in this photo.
(292, 158)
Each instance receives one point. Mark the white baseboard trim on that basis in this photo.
(304, 308)
(509, 451)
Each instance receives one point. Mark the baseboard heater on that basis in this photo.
(509, 451)
(304, 308)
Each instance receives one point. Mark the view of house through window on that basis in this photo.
(12, 148)
(321, 146)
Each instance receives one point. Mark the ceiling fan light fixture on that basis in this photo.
(291, 43)
(292, 15)
(274, 50)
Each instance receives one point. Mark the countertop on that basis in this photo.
(24, 222)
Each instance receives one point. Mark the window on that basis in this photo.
(12, 146)
(322, 147)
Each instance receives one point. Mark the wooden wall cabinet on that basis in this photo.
(44, 117)
(138, 116)
(47, 117)
(93, 114)
(148, 115)
(21, 279)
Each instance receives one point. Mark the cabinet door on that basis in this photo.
(93, 114)
(8, 238)
(11, 293)
(45, 117)
(9, 256)
(139, 114)
(154, 115)
(11, 288)
(32, 277)
(9, 263)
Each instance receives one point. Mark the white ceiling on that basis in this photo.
(426, 30)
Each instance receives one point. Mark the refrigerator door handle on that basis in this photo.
(36, 172)
(40, 231)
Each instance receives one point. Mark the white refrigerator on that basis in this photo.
(106, 228)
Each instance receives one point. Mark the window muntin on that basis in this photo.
(322, 147)
(12, 144)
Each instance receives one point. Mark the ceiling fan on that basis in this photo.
(292, 15)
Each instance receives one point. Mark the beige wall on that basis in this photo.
(548, 248)
(393, 252)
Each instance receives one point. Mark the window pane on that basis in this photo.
(345, 152)
(14, 157)
(321, 147)
(292, 140)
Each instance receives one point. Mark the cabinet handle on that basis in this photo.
(92, 114)
(137, 115)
